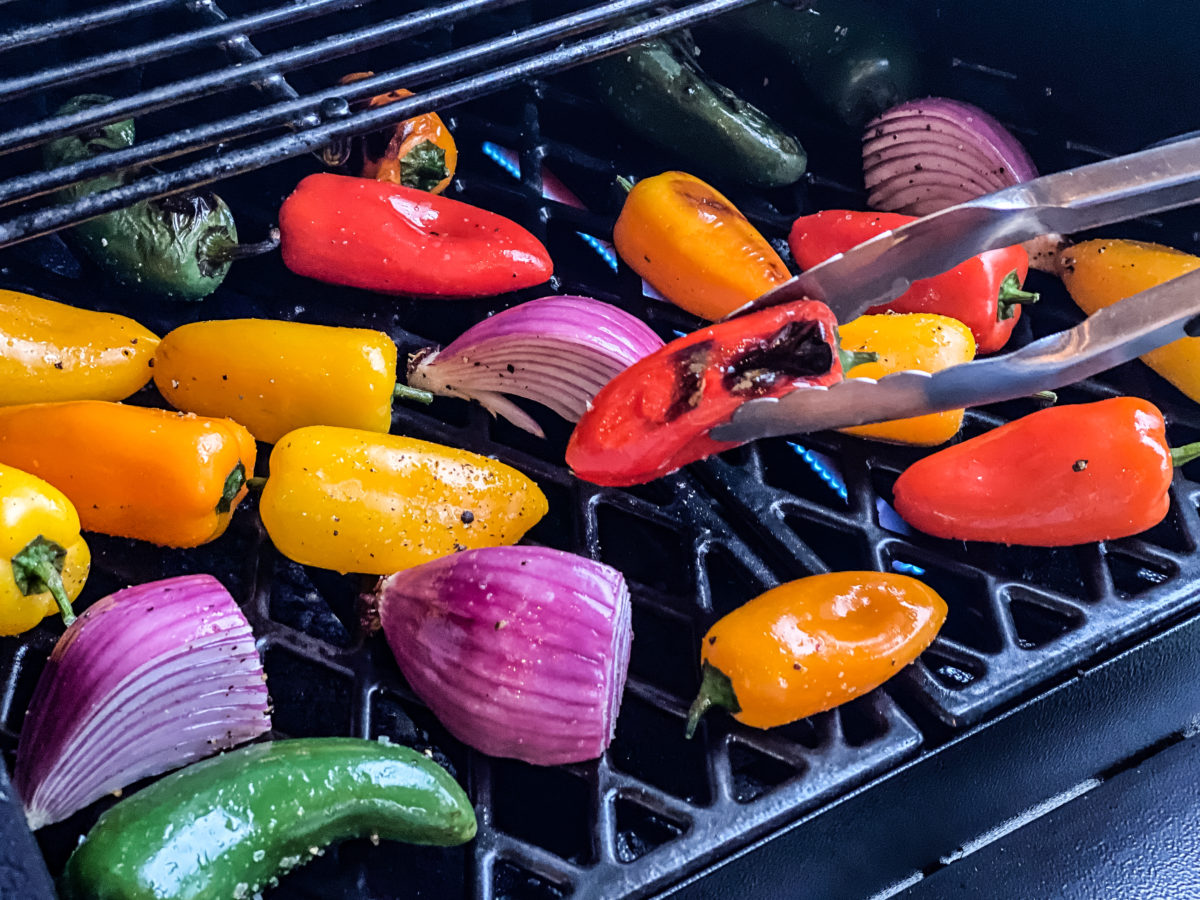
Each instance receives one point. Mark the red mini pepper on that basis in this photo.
(655, 416)
(984, 293)
(1060, 476)
(396, 240)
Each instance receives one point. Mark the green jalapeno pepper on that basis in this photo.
(229, 826)
(178, 247)
(657, 90)
(857, 58)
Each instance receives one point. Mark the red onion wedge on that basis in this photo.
(519, 651)
(147, 679)
(925, 155)
(557, 351)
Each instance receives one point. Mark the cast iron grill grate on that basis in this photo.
(655, 808)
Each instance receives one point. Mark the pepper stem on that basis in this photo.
(38, 568)
(257, 483)
(715, 690)
(1011, 295)
(1185, 454)
(1045, 396)
(626, 183)
(223, 252)
(852, 358)
(235, 481)
(405, 392)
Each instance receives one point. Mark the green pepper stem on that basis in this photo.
(1046, 396)
(220, 252)
(1185, 454)
(405, 392)
(715, 690)
(257, 483)
(38, 568)
(234, 483)
(852, 358)
(626, 183)
(1011, 295)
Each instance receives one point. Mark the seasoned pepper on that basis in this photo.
(418, 153)
(655, 416)
(984, 293)
(274, 377)
(52, 351)
(179, 247)
(1099, 273)
(1060, 476)
(912, 341)
(694, 246)
(45, 558)
(812, 644)
(163, 477)
(397, 240)
(230, 826)
(658, 90)
(355, 501)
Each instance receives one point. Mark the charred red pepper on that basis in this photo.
(984, 293)
(397, 240)
(1060, 476)
(655, 416)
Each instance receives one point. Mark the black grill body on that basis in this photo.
(1054, 665)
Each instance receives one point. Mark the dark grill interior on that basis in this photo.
(694, 545)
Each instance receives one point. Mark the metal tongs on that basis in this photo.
(881, 269)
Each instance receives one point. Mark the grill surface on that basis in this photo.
(695, 545)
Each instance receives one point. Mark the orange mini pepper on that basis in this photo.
(418, 153)
(53, 351)
(694, 246)
(814, 643)
(274, 377)
(169, 478)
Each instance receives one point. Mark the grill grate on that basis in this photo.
(695, 545)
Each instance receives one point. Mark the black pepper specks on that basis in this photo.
(1079, 465)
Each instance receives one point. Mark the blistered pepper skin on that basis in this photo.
(132, 471)
(694, 246)
(909, 341)
(814, 643)
(31, 509)
(229, 826)
(52, 351)
(274, 377)
(1099, 273)
(354, 501)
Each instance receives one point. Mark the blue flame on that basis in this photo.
(824, 468)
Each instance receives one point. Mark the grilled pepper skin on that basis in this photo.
(178, 247)
(355, 501)
(694, 246)
(172, 479)
(655, 416)
(984, 293)
(418, 153)
(1057, 477)
(1099, 273)
(658, 91)
(396, 240)
(52, 351)
(274, 377)
(33, 514)
(812, 644)
(229, 826)
(912, 341)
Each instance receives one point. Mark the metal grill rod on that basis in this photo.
(221, 79)
(128, 57)
(77, 24)
(240, 49)
(245, 124)
(44, 221)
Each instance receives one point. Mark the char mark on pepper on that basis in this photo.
(797, 350)
(690, 365)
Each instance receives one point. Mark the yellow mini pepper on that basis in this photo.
(1099, 273)
(274, 377)
(48, 559)
(52, 351)
(923, 342)
(354, 501)
(694, 246)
